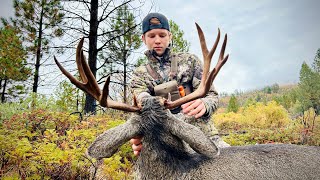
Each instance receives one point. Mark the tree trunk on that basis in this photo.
(38, 56)
(90, 104)
(3, 91)
(124, 76)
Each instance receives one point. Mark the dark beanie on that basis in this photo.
(147, 26)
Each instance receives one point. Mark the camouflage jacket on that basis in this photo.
(189, 71)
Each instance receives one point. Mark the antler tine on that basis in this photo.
(86, 74)
(222, 60)
(69, 76)
(89, 84)
(214, 47)
(207, 56)
(206, 80)
(107, 102)
(79, 55)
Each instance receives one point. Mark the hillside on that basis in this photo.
(265, 94)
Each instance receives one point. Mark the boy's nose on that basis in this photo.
(157, 40)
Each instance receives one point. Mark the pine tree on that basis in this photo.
(39, 21)
(233, 105)
(179, 44)
(122, 46)
(275, 88)
(316, 62)
(13, 65)
(309, 89)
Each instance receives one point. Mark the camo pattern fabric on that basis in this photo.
(189, 70)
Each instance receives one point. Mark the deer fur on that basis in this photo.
(166, 152)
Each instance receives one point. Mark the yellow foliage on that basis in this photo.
(256, 115)
(311, 127)
(117, 167)
(52, 145)
(271, 115)
(267, 123)
(11, 176)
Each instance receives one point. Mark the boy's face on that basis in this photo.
(157, 39)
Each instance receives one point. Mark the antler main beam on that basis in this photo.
(89, 83)
(206, 80)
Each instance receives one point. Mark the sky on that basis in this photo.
(268, 40)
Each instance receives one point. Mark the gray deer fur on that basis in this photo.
(165, 154)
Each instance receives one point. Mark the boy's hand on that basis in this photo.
(136, 145)
(194, 108)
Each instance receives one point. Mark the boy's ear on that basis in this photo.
(143, 38)
(170, 39)
(170, 36)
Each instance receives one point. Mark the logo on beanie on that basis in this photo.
(154, 21)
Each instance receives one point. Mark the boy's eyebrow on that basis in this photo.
(153, 34)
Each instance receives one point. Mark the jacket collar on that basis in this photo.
(152, 56)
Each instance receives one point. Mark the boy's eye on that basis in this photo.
(162, 35)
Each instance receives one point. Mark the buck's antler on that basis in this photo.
(90, 85)
(206, 80)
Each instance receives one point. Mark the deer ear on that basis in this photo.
(108, 142)
(193, 136)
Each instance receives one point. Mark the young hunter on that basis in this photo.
(165, 72)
